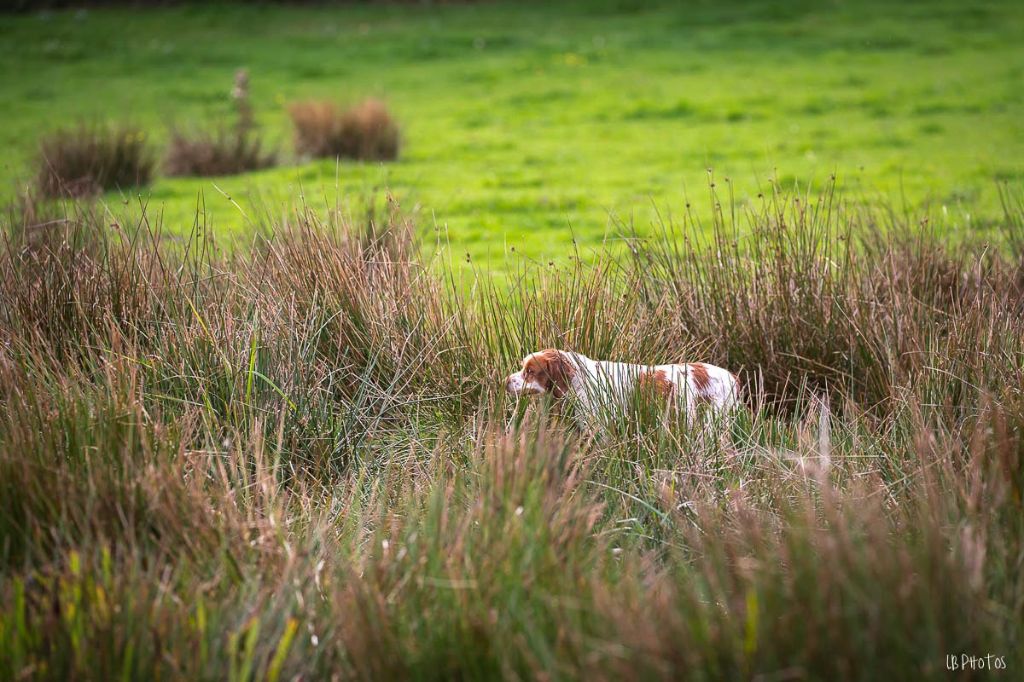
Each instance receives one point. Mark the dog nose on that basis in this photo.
(508, 384)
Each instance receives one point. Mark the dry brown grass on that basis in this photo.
(297, 461)
(223, 151)
(365, 132)
(89, 159)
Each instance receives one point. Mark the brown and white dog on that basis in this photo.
(596, 385)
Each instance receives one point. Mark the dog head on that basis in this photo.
(546, 371)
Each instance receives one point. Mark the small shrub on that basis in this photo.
(225, 151)
(366, 131)
(88, 159)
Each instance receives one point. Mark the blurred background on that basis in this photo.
(514, 125)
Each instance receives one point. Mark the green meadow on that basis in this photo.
(526, 125)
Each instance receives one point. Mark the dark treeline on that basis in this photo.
(35, 5)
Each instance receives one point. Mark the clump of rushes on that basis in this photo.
(223, 151)
(366, 131)
(88, 159)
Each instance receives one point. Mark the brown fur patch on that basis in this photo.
(657, 383)
(701, 380)
(551, 369)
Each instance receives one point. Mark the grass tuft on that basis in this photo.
(224, 151)
(220, 152)
(366, 131)
(89, 159)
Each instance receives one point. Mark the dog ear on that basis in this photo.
(559, 370)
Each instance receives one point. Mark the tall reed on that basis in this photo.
(297, 460)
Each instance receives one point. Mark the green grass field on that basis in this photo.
(525, 124)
